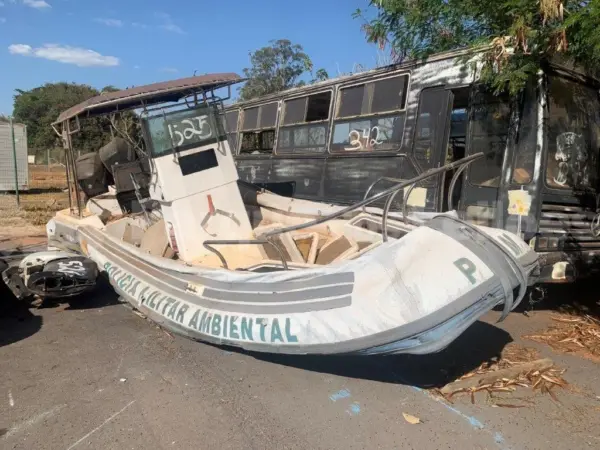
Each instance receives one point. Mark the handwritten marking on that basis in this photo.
(71, 268)
(103, 423)
(356, 142)
(191, 131)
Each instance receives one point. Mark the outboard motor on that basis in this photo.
(91, 175)
(116, 152)
(52, 274)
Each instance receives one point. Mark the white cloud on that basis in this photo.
(143, 26)
(19, 49)
(68, 55)
(169, 70)
(37, 4)
(2, 19)
(109, 22)
(136, 67)
(1, 4)
(168, 24)
(172, 28)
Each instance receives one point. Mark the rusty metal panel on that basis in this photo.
(165, 91)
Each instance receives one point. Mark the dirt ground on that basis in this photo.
(36, 208)
(45, 196)
(47, 177)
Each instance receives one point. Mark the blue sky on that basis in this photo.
(135, 42)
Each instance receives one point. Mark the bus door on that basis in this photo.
(487, 132)
(431, 140)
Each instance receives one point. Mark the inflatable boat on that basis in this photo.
(221, 261)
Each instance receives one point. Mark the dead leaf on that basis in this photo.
(411, 419)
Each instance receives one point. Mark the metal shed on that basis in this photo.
(7, 167)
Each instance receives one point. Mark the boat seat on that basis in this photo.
(337, 249)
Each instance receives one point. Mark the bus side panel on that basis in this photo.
(305, 174)
(348, 178)
(253, 170)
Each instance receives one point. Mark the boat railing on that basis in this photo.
(391, 192)
(390, 199)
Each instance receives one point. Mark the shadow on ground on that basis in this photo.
(102, 295)
(584, 295)
(481, 342)
(17, 322)
(18, 318)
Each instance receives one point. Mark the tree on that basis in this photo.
(518, 37)
(38, 108)
(277, 67)
(320, 75)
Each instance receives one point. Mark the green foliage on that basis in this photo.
(38, 108)
(277, 67)
(320, 75)
(536, 31)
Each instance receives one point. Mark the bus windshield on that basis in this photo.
(573, 135)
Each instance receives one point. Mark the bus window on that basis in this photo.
(231, 124)
(573, 135)
(258, 129)
(370, 116)
(304, 125)
(490, 120)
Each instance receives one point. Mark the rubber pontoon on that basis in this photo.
(224, 262)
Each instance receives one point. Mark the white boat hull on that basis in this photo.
(412, 295)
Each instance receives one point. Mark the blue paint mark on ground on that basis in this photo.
(498, 438)
(354, 409)
(344, 393)
(475, 423)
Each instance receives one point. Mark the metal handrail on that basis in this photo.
(453, 182)
(374, 183)
(382, 194)
(386, 209)
(208, 245)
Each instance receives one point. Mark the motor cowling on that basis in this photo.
(58, 274)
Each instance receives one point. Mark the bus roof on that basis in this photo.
(135, 97)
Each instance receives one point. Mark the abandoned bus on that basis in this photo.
(333, 140)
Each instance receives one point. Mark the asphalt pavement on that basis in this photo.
(94, 375)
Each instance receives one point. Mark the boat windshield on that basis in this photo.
(182, 129)
(573, 135)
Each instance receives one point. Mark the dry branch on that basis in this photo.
(508, 375)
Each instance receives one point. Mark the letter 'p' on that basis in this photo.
(467, 267)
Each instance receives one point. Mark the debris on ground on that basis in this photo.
(517, 367)
(411, 419)
(574, 331)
